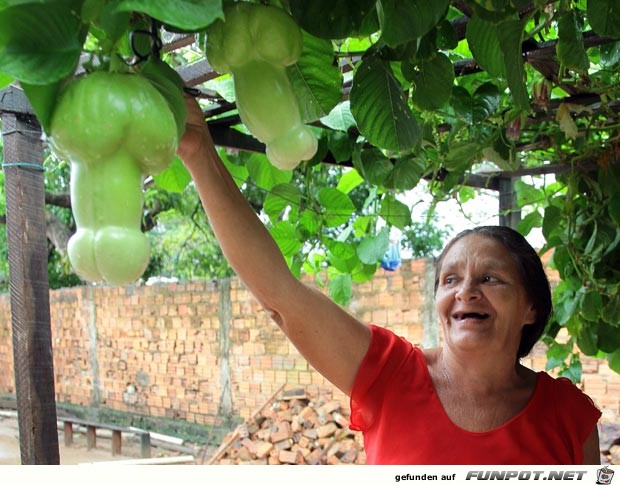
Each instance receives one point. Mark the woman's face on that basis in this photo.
(480, 299)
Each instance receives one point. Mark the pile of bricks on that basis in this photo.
(294, 430)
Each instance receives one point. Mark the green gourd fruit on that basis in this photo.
(114, 129)
(255, 43)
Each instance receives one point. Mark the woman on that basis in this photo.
(470, 401)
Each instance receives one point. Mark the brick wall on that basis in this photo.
(203, 350)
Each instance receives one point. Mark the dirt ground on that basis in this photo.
(75, 454)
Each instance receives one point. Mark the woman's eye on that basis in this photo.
(490, 279)
(449, 280)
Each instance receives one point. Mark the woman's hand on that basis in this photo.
(196, 142)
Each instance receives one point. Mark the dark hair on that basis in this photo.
(533, 277)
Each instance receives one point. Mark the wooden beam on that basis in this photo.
(29, 285)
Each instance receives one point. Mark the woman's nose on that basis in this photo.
(468, 290)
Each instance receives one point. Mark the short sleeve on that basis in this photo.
(386, 354)
(580, 412)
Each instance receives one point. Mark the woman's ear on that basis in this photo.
(530, 315)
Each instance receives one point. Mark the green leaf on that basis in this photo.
(170, 84)
(529, 222)
(406, 173)
(433, 83)
(187, 15)
(394, 212)
(604, 17)
(403, 21)
(614, 208)
(341, 145)
(374, 166)
(265, 174)
(37, 55)
(557, 353)
(310, 221)
(613, 359)
(316, 79)
(610, 54)
(5, 80)
(332, 19)
(372, 248)
(608, 337)
(586, 340)
(341, 287)
(461, 155)
(570, 48)
(447, 37)
(528, 194)
(611, 311)
(338, 206)
(43, 100)
(281, 197)
(510, 34)
(574, 370)
(380, 108)
(175, 178)
(239, 173)
(340, 118)
(484, 44)
(360, 225)
(551, 221)
(476, 108)
(286, 238)
(349, 180)
(591, 305)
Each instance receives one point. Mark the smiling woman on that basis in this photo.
(468, 402)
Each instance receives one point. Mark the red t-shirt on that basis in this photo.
(403, 421)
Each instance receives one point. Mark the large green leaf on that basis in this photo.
(182, 14)
(341, 288)
(395, 212)
(340, 118)
(175, 178)
(404, 21)
(280, 197)
(510, 34)
(332, 19)
(433, 82)
(461, 155)
(42, 98)
(35, 54)
(5, 80)
(338, 207)
(380, 108)
(265, 174)
(406, 173)
(604, 17)
(170, 85)
(476, 108)
(286, 238)
(484, 45)
(372, 248)
(316, 79)
(570, 48)
(373, 165)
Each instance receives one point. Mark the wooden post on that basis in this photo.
(145, 445)
(29, 285)
(509, 213)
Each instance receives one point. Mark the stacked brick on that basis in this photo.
(294, 430)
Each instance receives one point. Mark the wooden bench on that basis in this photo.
(117, 431)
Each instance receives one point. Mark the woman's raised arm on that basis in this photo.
(332, 340)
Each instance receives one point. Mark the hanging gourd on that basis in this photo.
(256, 43)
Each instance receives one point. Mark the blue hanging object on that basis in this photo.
(391, 261)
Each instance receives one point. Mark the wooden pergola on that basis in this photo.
(26, 222)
